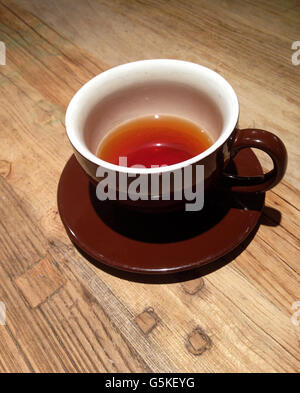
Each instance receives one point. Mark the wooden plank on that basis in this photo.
(39, 282)
(209, 33)
(65, 331)
(237, 318)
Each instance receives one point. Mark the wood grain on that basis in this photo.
(247, 42)
(39, 282)
(63, 314)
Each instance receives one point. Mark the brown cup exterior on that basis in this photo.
(216, 168)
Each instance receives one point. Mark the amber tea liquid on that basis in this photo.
(154, 140)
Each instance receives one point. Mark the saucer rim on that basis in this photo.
(119, 265)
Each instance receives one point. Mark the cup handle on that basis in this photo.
(267, 142)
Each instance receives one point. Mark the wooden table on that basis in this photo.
(62, 312)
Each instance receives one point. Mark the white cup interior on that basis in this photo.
(151, 87)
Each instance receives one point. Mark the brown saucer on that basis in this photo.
(157, 243)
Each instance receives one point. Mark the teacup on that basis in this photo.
(172, 87)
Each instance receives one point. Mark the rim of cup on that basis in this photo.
(85, 98)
